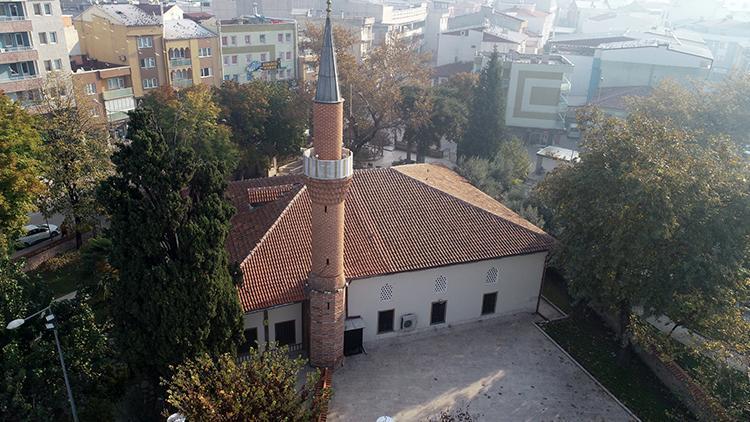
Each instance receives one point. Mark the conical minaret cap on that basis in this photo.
(328, 80)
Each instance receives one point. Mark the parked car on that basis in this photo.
(36, 233)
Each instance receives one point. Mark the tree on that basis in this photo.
(174, 298)
(192, 116)
(33, 386)
(486, 126)
(415, 109)
(76, 152)
(262, 388)
(496, 177)
(711, 108)
(653, 217)
(267, 120)
(372, 87)
(20, 170)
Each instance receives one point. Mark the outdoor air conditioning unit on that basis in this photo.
(463, 33)
(408, 322)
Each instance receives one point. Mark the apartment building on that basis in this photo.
(159, 45)
(32, 45)
(109, 85)
(258, 47)
(361, 29)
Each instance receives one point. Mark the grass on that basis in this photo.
(61, 273)
(594, 346)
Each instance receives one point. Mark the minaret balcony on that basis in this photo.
(328, 169)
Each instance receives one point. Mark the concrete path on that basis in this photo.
(505, 371)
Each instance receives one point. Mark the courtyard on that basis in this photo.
(503, 369)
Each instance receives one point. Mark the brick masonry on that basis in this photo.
(327, 282)
(328, 129)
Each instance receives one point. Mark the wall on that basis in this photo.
(518, 284)
(280, 314)
(272, 47)
(647, 66)
(534, 95)
(49, 23)
(580, 78)
(458, 48)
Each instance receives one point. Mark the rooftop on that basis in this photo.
(134, 15)
(89, 65)
(256, 20)
(178, 29)
(398, 219)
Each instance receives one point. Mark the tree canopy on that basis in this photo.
(192, 116)
(485, 129)
(655, 217)
(708, 108)
(261, 388)
(267, 119)
(33, 386)
(20, 170)
(174, 297)
(372, 87)
(77, 150)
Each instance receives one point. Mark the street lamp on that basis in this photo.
(50, 325)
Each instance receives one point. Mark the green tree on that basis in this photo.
(497, 176)
(77, 151)
(33, 387)
(267, 119)
(372, 87)
(653, 217)
(20, 170)
(262, 388)
(192, 116)
(486, 126)
(174, 297)
(710, 108)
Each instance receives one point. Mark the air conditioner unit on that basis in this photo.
(408, 322)
(463, 33)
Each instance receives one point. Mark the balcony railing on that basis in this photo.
(565, 86)
(12, 18)
(15, 48)
(180, 62)
(328, 169)
(113, 94)
(18, 78)
(182, 83)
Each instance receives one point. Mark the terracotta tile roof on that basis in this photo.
(397, 219)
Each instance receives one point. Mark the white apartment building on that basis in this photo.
(32, 45)
(258, 47)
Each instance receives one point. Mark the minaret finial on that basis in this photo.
(328, 9)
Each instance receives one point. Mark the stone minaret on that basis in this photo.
(329, 168)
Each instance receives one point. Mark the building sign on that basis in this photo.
(276, 64)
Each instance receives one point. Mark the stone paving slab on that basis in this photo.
(505, 370)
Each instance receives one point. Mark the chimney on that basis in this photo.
(328, 170)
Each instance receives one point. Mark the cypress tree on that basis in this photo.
(169, 219)
(486, 128)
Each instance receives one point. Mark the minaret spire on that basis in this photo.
(328, 81)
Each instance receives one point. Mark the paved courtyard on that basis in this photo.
(506, 370)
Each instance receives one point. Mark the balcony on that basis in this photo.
(182, 83)
(180, 62)
(565, 86)
(328, 169)
(13, 48)
(114, 94)
(8, 18)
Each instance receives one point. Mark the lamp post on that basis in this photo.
(50, 325)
